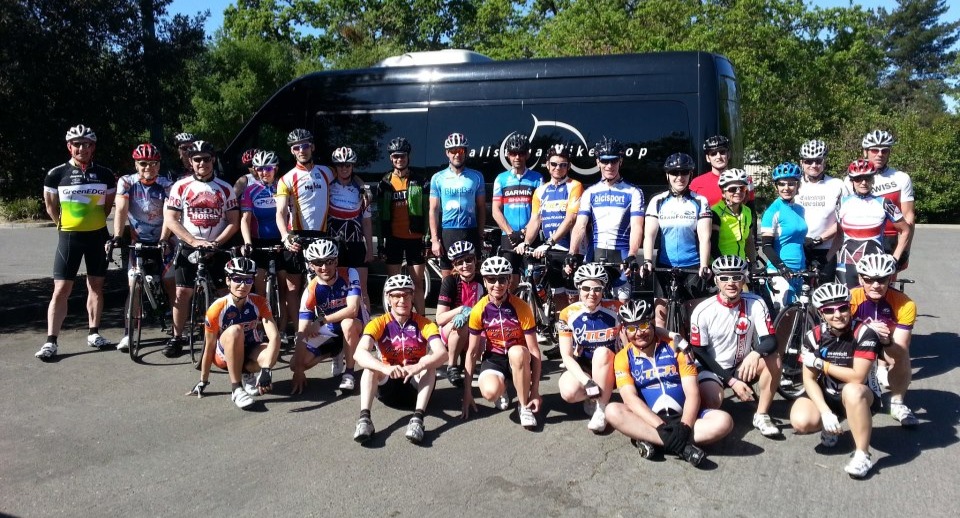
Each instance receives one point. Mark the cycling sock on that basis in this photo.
(418, 414)
(365, 413)
(94, 330)
(234, 386)
(52, 339)
(349, 371)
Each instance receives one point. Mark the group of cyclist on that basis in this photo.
(316, 220)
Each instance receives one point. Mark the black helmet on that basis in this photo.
(299, 135)
(716, 142)
(608, 148)
(559, 150)
(679, 162)
(399, 145)
(518, 142)
(199, 147)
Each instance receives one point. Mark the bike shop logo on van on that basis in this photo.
(577, 146)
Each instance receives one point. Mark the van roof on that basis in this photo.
(436, 57)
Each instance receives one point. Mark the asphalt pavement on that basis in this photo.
(95, 434)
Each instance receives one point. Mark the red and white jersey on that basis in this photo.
(891, 184)
(203, 205)
(728, 332)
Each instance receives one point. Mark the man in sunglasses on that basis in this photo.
(234, 341)
(202, 211)
(511, 206)
(717, 152)
(732, 337)
(819, 195)
(837, 357)
(459, 292)
(458, 206)
(891, 314)
(184, 141)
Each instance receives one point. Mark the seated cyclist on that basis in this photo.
(783, 232)
(459, 292)
(661, 400)
(732, 338)
(330, 318)
(409, 349)
(838, 356)
(588, 342)
(234, 341)
(510, 347)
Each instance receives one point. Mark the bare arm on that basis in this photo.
(704, 230)
(233, 224)
(246, 227)
(905, 235)
(650, 230)
(579, 229)
(283, 215)
(171, 219)
(638, 406)
(499, 218)
(51, 201)
(352, 310)
(120, 218)
(445, 314)
(691, 407)
(636, 235)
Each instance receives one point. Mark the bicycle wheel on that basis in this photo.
(195, 336)
(134, 315)
(789, 327)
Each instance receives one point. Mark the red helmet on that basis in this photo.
(147, 152)
(247, 158)
(860, 167)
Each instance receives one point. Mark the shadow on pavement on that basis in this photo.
(934, 354)
(937, 411)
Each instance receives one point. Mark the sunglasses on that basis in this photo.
(559, 165)
(879, 280)
(201, 159)
(241, 280)
(265, 169)
(81, 145)
(591, 289)
(324, 262)
(465, 260)
(398, 156)
(787, 183)
(634, 328)
(879, 151)
(844, 308)
(300, 147)
(185, 147)
(730, 278)
(456, 151)
(865, 178)
(500, 279)
(398, 295)
(679, 173)
(736, 189)
(147, 164)
(608, 161)
(812, 161)
(715, 152)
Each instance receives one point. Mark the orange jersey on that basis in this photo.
(223, 313)
(402, 344)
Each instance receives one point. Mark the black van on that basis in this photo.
(656, 104)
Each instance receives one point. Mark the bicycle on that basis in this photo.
(535, 289)
(147, 288)
(200, 301)
(272, 285)
(431, 268)
(677, 317)
(790, 326)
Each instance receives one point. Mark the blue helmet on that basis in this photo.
(786, 170)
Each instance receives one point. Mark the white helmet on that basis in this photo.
(398, 282)
(455, 140)
(734, 175)
(877, 265)
(877, 138)
(81, 131)
(590, 271)
(729, 264)
(496, 265)
(635, 311)
(830, 293)
(184, 138)
(320, 250)
(813, 149)
(240, 266)
(265, 158)
(343, 155)
(460, 249)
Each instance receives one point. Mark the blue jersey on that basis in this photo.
(785, 220)
(322, 298)
(611, 208)
(516, 195)
(458, 197)
(658, 380)
(259, 200)
(678, 217)
(145, 204)
(554, 202)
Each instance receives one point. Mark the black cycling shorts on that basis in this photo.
(72, 246)
(397, 248)
(282, 259)
(692, 286)
(451, 236)
(498, 363)
(186, 272)
(556, 259)
(397, 394)
(835, 402)
(352, 255)
(153, 260)
(506, 251)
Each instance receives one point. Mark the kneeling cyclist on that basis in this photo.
(233, 340)
(409, 349)
(459, 292)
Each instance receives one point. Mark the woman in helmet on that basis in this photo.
(819, 196)
(588, 339)
(350, 214)
(459, 292)
(505, 325)
(234, 341)
(734, 224)
(783, 232)
(249, 175)
(837, 358)
(661, 399)
(861, 219)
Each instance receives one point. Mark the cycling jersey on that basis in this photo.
(678, 217)
(144, 205)
(728, 332)
(348, 208)
(258, 199)
(891, 184)
(404, 205)
(554, 202)
(785, 220)
(858, 341)
(320, 297)
(731, 232)
(862, 219)
(611, 207)
(658, 380)
(224, 313)
(203, 206)
(82, 194)
(516, 195)
(456, 292)
(457, 194)
(503, 326)
(402, 344)
(708, 186)
(820, 201)
(895, 309)
(590, 330)
(307, 194)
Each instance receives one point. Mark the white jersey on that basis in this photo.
(820, 201)
(728, 332)
(203, 206)
(891, 184)
(307, 194)
(611, 208)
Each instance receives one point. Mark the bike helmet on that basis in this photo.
(679, 162)
(460, 249)
(343, 155)
(813, 149)
(200, 146)
(399, 145)
(240, 266)
(716, 142)
(184, 138)
(635, 311)
(830, 293)
(786, 171)
(877, 265)
(729, 264)
(590, 272)
(496, 265)
(247, 158)
(147, 152)
(731, 176)
(298, 135)
(860, 167)
(265, 158)
(561, 150)
(321, 250)
(398, 282)
(81, 131)
(518, 142)
(877, 138)
(455, 140)
(608, 149)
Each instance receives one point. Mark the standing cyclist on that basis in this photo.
(717, 152)
(349, 219)
(819, 196)
(458, 210)
(512, 201)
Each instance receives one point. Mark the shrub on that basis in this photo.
(22, 208)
